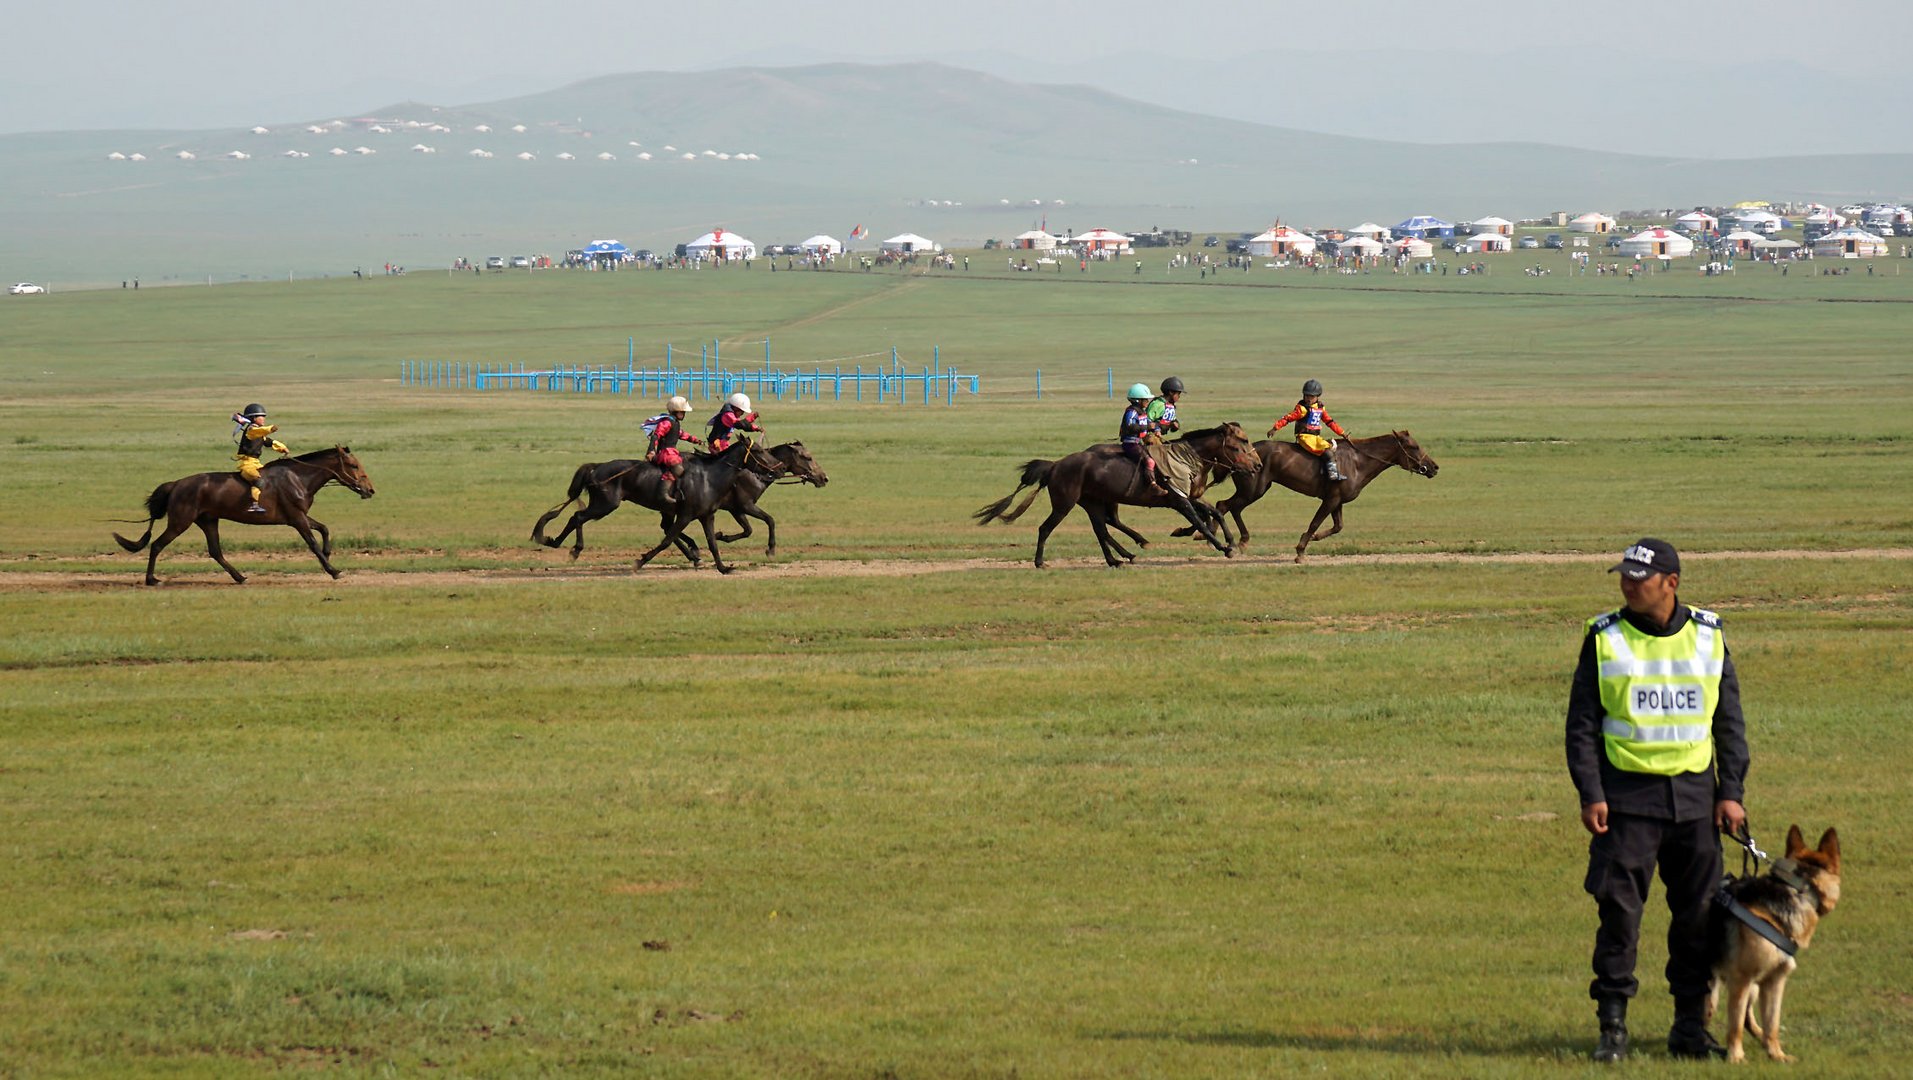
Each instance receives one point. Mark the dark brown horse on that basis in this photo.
(286, 489)
(1285, 463)
(794, 465)
(607, 485)
(1100, 479)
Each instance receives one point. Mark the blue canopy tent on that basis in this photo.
(1423, 227)
(609, 250)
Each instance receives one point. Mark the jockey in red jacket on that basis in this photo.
(735, 416)
(1309, 417)
(666, 429)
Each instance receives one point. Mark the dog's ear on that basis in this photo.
(1830, 847)
(1796, 843)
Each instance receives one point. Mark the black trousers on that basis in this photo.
(1621, 865)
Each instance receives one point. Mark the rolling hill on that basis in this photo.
(953, 154)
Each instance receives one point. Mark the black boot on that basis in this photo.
(1689, 1037)
(1613, 1014)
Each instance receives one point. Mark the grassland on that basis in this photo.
(1197, 818)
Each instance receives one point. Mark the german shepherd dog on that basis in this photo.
(1792, 896)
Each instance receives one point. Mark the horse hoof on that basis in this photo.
(152, 581)
(725, 569)
(575, 552)
(334, 573)
(1228, 553)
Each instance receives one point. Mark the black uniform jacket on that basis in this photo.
(1677, 798)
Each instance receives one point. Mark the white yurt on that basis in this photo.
(1360, 246)
(1657, 243)
(1825, 219)
(1484, 244)
(823, 245)
(908, 242)
(1282, 240)
(1034, 240)
(1697, 221)
(1591, 222)
(1765, 222)
(1413, 247)
(718, 244)
(1849, 243)
(1499, 226)
(1741, 240)
(1370, 230)
(1096, 240)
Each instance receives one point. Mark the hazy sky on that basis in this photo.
(205, 63)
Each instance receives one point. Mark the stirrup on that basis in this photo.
(255, 508)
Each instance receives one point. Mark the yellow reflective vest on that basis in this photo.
(1659, 693)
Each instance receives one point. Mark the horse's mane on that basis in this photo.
(1202, 433)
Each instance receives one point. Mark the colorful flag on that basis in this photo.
(859, 233)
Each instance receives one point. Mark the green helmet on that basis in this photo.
(1312, 388)
(1139, 392)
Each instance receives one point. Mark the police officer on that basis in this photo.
(1657, 748)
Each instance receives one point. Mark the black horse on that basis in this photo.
(606, 485)
(793, 464)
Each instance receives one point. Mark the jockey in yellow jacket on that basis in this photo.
(254, 436)
(1309, 417)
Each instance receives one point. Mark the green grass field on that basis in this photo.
(893, 803)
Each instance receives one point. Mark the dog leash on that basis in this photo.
(1732, 905)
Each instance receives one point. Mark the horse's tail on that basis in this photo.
(578, 481)
(156, 505)
(1035, 477)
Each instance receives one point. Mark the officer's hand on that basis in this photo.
(1594, 817)
(1730, 817)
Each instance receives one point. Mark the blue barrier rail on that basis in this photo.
(709, 380)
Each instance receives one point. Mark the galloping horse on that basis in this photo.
(1296, 469)
(287, 487)
(794, 463)
(607, 485)
(1100, 479)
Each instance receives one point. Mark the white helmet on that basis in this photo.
(740, 403)
(677, 404)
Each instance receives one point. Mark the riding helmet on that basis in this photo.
(1139, 392)
(254, 409)
(677, 405)
(1312, 388)
(740, 403)
(1172, 385)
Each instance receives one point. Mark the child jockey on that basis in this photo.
(666, 429)
(735, 416)
(253, 435)
(1162, 410)
(1135, 425)
(1309, 417)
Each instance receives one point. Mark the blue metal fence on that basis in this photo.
(709, 380)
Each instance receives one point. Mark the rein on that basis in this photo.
(336, 471)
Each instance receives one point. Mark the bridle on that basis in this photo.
(1402, 460)
(337, 471)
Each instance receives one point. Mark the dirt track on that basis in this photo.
(276, 571)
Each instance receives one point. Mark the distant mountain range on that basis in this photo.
(777, 154)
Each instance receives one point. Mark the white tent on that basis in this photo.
(1658, 243)
(718, 244)
(1849, 243)
(1760, 221)
(1370, 230)
(1741, 239)
(1500, 226)
(1102, 240)
(1414, 247)
(823, 245)
(1592, 222)
(1483, 243)
(1360, 246)
(1776, 245)
(908, 242)
(1697, 221)
(1281, 240)
(1034, 240)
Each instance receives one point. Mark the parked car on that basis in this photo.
(1210, 241)
(495, 262)
(1553, 242)
(520, 262)
(26, 288)
(1528, 242)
